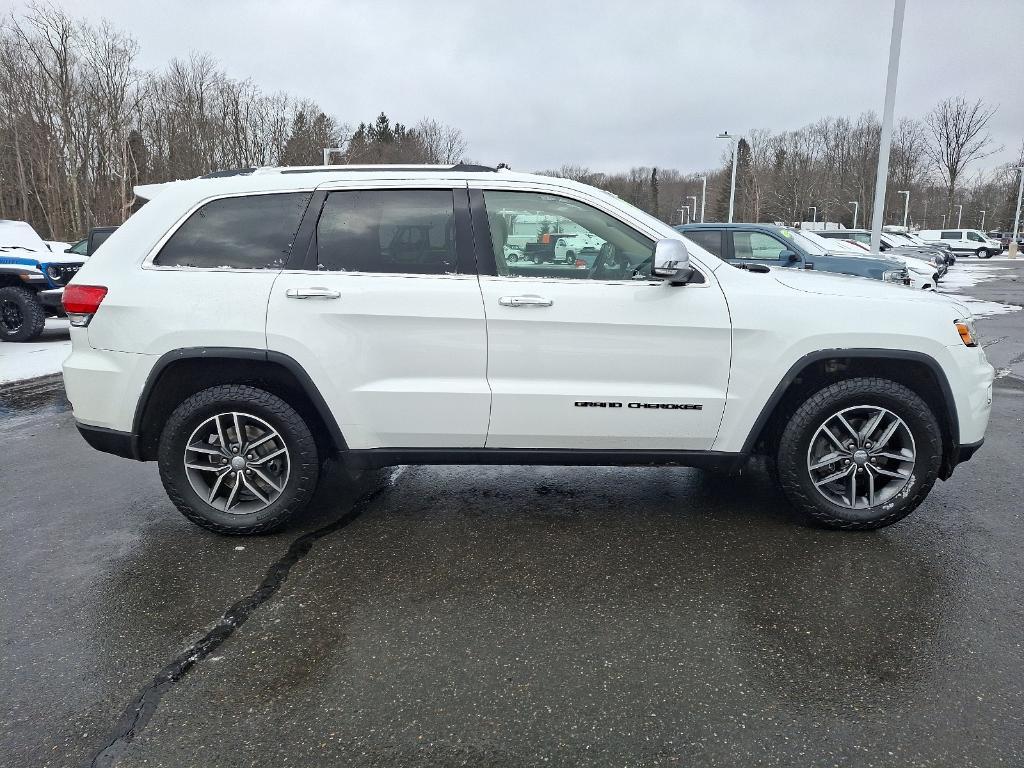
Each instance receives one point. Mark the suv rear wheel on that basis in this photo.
(860, 454)
(237, 459)
(22, 317)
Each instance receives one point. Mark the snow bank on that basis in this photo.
(38, 358)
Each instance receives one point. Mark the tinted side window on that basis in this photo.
(409, 231)
(975, 237)
(247, 232)
(708, 239)
(949, 235)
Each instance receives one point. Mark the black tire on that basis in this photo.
(792, 458)
(983, 253)
(22, 317)
(295, 433)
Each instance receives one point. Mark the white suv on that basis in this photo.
(240, 329)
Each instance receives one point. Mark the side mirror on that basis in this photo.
(789, 256)
(672, 262)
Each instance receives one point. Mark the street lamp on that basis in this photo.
(732, 187)
(959, 213)
(814, 215)
(906, 204)
(685, 209)
(982, 227)
(943, 221)
(694, 208)
(856, 207)
(328, 151)
(703, 196)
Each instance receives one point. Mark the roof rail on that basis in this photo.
(458, 168)
(228, 172)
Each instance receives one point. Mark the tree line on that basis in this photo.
(830, 165)
(81, 124)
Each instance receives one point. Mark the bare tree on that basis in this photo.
(442, 144)
(958, 136)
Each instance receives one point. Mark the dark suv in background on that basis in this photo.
(776, 246)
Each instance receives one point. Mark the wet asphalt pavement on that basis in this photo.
(502, 616)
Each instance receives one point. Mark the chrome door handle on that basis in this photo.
(525, 301)
(312, 293)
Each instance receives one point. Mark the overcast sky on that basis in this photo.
(607, 85)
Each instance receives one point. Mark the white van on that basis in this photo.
(963, 241)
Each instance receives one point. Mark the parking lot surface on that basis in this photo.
(507, 616)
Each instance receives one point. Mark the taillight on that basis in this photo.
(581, 264)
(81, 302)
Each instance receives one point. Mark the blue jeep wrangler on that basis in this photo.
(32, 280)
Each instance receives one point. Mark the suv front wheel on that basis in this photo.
(860, 454)
(237, 459)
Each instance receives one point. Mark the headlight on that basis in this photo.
(895, 276)
(967, 333)
(52, 272)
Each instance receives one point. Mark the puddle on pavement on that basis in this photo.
(25, 399)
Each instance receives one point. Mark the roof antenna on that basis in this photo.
(503, 167)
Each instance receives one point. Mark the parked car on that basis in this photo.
(784, 247)
(240, 329)
(923, 276)
(32, 279)
(1004, 238)
(891, 244)
(967, 242)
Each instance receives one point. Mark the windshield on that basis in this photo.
(806, 241)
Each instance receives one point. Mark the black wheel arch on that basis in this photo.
(918, 371)
(182, 372)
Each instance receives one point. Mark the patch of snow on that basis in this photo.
(968, 274)
(41, 357)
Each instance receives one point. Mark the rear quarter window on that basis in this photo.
(245, 232)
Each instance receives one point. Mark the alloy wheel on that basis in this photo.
(861, 457)
(11, 317)
(237, 462)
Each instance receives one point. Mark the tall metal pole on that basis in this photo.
(924, 217)
(693, 209)
(982, 227)
(856, 207)
(906, 205)
(882, 175)
(1016, 216)
(732, 187)
(814, 216)
(959, 214)
(703, 197)
(943, 221)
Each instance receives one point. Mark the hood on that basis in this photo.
(849, 286)
(18, 236)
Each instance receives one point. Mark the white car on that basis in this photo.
(922, 275)
(238, 330)
(966, 242)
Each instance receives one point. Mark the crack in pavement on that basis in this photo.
(141, 708)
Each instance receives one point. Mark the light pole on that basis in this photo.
(959, 214)
(885, 143)
(703, 196)
(924, 217)
(856, 207)
(906, 205)
(814, 215)
(943, 221)
(982, 227)
(693, 209)
(732, 186)
(327, 153)
(1016, 216)
(685, 209)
